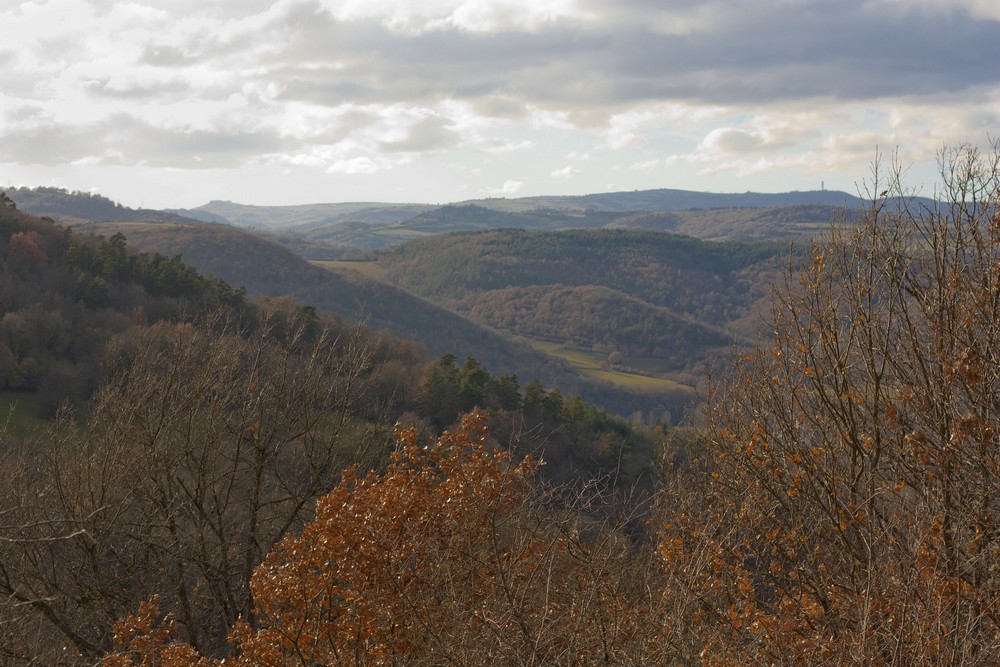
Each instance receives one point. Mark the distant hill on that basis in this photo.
(673, 200)
(648, 303)
(70, 206)
(266, 268)
(321, 231)
(774, 222)
(309, 216)
(341, 230)
(303, 216)
(612, 296)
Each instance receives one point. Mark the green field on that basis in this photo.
(109, 228)
(368, 269)
(588, 364)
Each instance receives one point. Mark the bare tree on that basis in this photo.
(849, 511)
(450, 556)
(206, 446)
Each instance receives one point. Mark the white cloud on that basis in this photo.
(500, 146)
(568, 171)
(476, 16)
(649, 165)
(358, 165)
(509, 187)
(514, 88)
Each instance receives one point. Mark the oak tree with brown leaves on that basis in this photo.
(846, 507)
(204, 447)
(450, 556)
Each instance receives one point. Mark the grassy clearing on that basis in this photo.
(588, 364)
(109, 228)
(368, 269)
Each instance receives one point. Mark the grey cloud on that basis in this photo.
(210, 45)
(343, 126)
(754, 52)
(500, 106)
(837, 49)
(428, 135)
(166, 55)
(738, 141)
(24, 112)
(126, 140)
(376, 65)
(142, 91)
(748, 53)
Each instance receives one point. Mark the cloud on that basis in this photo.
(138, 89)
(126, 140)
(654, 163)
(568, 171)
(364, 86)
(976, 9)
(476, 16)
(358, 165)
(508, 188)
(430, 134)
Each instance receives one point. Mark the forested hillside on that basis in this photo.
(649, 301)
(267, 269)
(330, 231)
(199, 429)
(62, 295)
(234, 493)
(838, 507)
(343, 236)
(70, 206)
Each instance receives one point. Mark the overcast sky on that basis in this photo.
(172, 103)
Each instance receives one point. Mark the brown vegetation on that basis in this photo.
(843, 508)
(839, 507)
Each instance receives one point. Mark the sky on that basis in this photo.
(172, 103)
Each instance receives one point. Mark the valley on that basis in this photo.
(626, 299)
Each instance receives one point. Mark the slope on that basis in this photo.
(267, 269)
(655, 304)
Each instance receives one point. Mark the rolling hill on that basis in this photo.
(640, 303)
(320, 231)
(608, 296)
(266, 268)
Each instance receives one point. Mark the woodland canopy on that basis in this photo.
(837, 506)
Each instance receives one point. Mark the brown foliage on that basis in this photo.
(850, 511)
(444, 558)
(202, 450)
(841, 509)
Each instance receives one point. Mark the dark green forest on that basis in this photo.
(62, 295)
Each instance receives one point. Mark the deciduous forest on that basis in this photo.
(251, 482)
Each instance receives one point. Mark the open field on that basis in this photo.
(588, 364)
(367, 269)
(109, 228)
